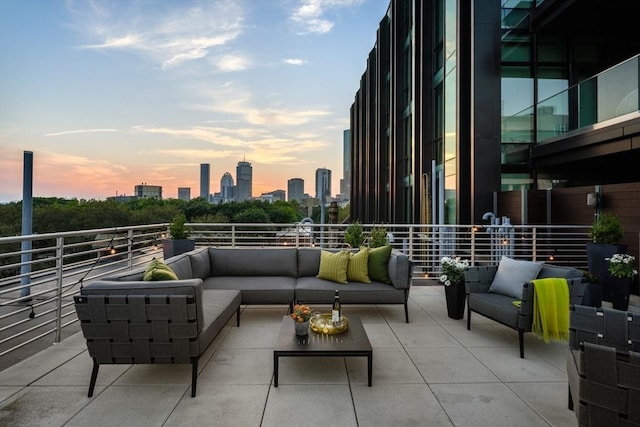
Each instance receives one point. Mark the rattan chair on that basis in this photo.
(603, 366)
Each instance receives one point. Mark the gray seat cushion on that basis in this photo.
(217, 306)
(256, 289)
(311, 290)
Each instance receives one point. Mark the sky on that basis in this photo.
(111, 94)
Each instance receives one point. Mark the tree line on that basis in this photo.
(53, 214)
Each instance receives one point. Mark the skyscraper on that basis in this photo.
(227, 189)
(184, 193)
(345, 182)
(205, 179)
(244, 181)
(295, 189)
(323, 185)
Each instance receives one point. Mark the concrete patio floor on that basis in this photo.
(431, 371)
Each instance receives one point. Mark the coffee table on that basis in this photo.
(352, 343)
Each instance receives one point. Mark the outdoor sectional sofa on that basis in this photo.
(275, 275)
(127, 320)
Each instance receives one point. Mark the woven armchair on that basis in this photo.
(152, 322)
(603, 366)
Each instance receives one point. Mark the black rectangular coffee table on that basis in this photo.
(352, 343)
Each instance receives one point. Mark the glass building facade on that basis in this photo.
(461, 99)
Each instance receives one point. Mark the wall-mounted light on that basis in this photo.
(592, 199)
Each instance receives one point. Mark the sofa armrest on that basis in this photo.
(400, 270)
(478, 279)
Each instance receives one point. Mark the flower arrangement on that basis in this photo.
(301, 313)
(621, 265)
(453, 270)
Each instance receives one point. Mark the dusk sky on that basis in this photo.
(111, 94)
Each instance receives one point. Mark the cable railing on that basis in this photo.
(40, 273)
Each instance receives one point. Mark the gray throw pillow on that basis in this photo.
(512, 274)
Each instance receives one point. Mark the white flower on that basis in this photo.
(453, 270)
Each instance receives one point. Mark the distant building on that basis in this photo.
(205, 180)
(295, 189)
(184, 193)
(275, 195)
(143, 191)
(323, 185)
(345, 182)
(227, 188)
(244, 181)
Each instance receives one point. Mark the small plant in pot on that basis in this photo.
(178, 241)
(354, 235)
(605, 235)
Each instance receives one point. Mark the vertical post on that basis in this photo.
(59, 276)
(27, 224)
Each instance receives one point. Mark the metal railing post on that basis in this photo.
(130, 248)
(59, 277)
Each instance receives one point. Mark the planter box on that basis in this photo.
(173, 247)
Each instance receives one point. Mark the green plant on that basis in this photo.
(621, 266)
(607, 229)
(353, 235)
(377, 237)
(177, 229)
(453, 270)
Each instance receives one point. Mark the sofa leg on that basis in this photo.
(194, 376)
(94, 376)
(238, 317)
(521, 339)
(406, 312)
(468, 318)
(570, 401)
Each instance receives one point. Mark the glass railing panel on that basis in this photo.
(553, 116)
(617, 90)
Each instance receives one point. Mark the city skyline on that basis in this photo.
(109, 94)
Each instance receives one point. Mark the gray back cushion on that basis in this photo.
(200, 263)
(181, 265)
(557, 271)
(253, 262)
(308, 261)
(512, 274)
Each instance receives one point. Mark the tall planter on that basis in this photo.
(620, 289)
(597, 254)
(455, 295)
(173, 247)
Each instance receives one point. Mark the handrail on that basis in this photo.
(38, 303)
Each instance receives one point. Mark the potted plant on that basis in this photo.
(301, 315)
(178, 241)
(353, 235)
(605, 235)
(452, 278)
(620, 268)
(377, 237)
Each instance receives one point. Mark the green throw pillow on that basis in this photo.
(333, 266)
(379, 264)
(158, 270)
(358, 268)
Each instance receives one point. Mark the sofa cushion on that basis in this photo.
(379, 264)
(253, 262)
(158, 270)
(308, 261)
(358, 267)
(200, 263)
(333, 266)
(181, 266)
(512, 274)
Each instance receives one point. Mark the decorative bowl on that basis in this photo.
(323, 325)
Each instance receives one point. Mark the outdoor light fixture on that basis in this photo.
(592, 199)
(112, 250)
(552, 255)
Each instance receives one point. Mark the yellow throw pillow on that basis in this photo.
(333, 266)
(358, 269)
(158, 270)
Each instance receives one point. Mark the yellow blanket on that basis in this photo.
(551, 309)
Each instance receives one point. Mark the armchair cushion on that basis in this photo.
(512, 274)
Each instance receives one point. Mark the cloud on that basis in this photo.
(295, 61)
(228, 63)
(310, 15)
(168, 35)
(71, 132)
